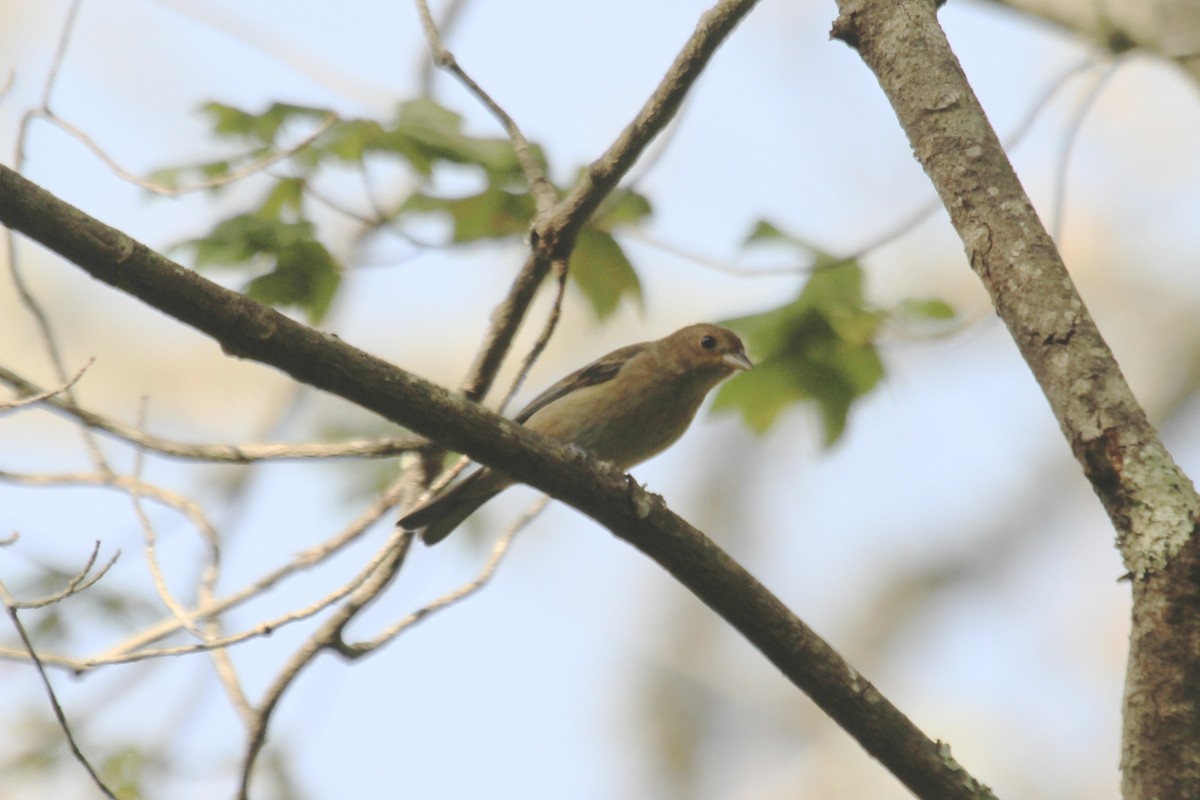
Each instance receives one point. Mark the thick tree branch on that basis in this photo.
(1151, 502)
(250, 330)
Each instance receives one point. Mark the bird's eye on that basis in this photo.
(708, 342)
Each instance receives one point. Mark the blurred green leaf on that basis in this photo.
(305, 275)
(763, 232)
(927, 308)
(819, 347)
(231, 121)
(349, 139)
(423, 135)
(602, 272)
(303, 272)
(766, 232)
(244, 237)
(124, 772)
(491, 214)
(622, 207)
(287, 195)
(437, 133)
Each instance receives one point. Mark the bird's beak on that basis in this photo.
(737, 360)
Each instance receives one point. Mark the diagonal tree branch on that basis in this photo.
(247, 329)
(1151, 502)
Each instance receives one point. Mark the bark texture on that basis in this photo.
(1151, 502)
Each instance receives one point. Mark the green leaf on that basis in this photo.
(231, 121)
(305, 275)
(819, 347)
(349, 139)
(602, 272)
(927, 308)
(766, 232)
(124, 772)
(436, 132)
(242, 238)
(491, 214)
(302, 273)
(288, 195)
(761, 395)
(622, 207)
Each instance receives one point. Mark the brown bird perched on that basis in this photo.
(629, 405)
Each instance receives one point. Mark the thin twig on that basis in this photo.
(499, 550)
(700, 259)
(916, 217)
(251, 168)
(133, 485)
(393, 553)
(560, 272)
(80, 582)
(9, 83)
(260, 630)
(1058, 207)
(38, 396)
(189, 508)
(220, 453)
(24, 293)
(450, 16)
(134, 649)
(544, 194)
(9, 607)
(302, 561)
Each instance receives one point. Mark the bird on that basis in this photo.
(624, 407)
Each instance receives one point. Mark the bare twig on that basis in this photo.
(499, 550)
(220, 453)
(79, 583)
(450, 16)
(24, 293)
(222, 663)
(252, 167)
(38, 396)
(914, 218)
(560, 273)
(132, 486)
(393, 554)
(544, 194)
(135, 648)
(185, 506)
(1058, 207)
(6, 598)
(714, 264)
(303, 561)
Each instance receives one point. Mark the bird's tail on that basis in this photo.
(440, 515)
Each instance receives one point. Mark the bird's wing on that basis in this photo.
(599, 371)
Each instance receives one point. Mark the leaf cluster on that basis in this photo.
(278, 242)
(820, 347)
